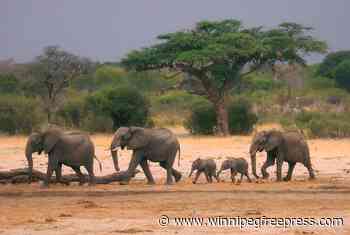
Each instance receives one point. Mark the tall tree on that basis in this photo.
(220, 53)
(53, 71)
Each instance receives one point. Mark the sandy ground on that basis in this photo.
(136, 208)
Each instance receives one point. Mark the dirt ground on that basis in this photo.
(137, 207)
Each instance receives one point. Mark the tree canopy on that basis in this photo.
(219, 53)
(331, 61)
(342, 75)
(53, 70)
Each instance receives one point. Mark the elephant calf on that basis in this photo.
(208, 166)
(236, 165)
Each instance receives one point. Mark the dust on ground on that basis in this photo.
(136, 208)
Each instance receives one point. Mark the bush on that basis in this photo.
(97, 123)
(241, 119)
(72, 112)
(330, 125)
(331, 61)
(342, 75)
(9, 84)
(19, 114)
(202, 119)
(124, 105)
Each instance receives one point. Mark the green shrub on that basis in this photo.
(342, 75)
(149, 82)
(72, 112)
(331, 61)
(125, 106)
(202, 119)
(19, 114)
(329, 125)
(9, 84)
(97, 123)
(175, 100)
(241, 118)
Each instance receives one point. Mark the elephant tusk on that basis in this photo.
(115, 149)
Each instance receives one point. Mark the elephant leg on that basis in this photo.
(136, 159)
(240, 180)
(216, 177)
(198, 173)
(48, 175)
(169, 172)
(270, 161)
(79, 174)
(247, 175)
(90, 170)
(212, 175)
(51, 166)
(233, 175)
(58, 172)
(177, 175)
(169, 175)
(207, 176)
(146, 170)
(279, 168)
(311, 170)
(291, 166)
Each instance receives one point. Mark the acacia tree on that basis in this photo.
(53, 71)
(220, 53)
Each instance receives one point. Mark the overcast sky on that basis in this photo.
(106, 30)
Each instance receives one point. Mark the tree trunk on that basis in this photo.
(22, 175)
(48, 115)
(221, 118)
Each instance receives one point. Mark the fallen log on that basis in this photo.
(18, 176)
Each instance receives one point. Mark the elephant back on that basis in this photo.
(162, 141)
(296, 147)
(72, 142)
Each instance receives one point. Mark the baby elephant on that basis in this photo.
(239, 165)
(208, 166)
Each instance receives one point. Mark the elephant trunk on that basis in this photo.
(191, 173)
(253, 162)
(218, 174)
(114, 153)
(29, 157)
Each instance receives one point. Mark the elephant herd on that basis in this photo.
(75, 149)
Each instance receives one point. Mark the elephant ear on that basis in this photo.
(138, 138)
(273, 140)
(51, 137)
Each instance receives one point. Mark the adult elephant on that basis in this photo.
(157, 145)
(289, 147)
(72, 149)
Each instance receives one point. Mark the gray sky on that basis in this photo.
(106, 30)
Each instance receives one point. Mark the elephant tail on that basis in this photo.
(99, 163)
(178, 162)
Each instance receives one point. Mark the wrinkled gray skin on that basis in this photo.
(236, 165)
(156, 145)
(71, 149)
(289, 147)
(206, 166)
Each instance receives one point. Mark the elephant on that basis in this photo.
(208, 166)
(239, 165)
(155, 145)
(71, 149)
(290, 147)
